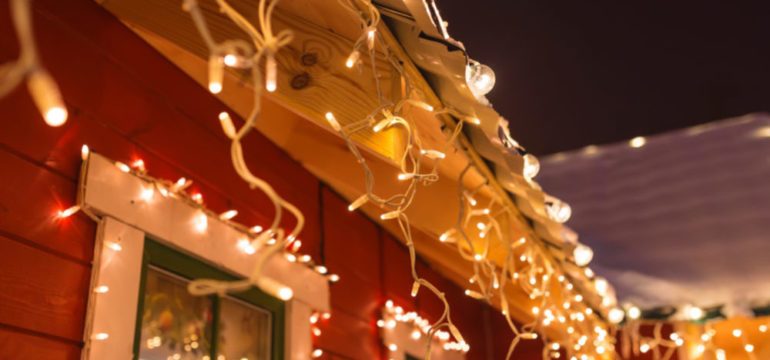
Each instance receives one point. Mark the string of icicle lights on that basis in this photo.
(566, 323)
(526, 264)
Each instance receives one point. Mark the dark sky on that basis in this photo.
(576, 73)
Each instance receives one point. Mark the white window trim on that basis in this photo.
(125, 219)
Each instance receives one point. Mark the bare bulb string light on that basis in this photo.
(42, 87)
(266, 43)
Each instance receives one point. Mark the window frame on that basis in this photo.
(188, 268)
(113, 198)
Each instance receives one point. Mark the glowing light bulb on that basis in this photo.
(216, 74)
(45, 93)
(334, 278)
(557, 210)
(333, 121)
(390, 215)
(101, 289)
(405, 176)
(246, 247)
(763, 328)
(480, 78)
(317, 353)
(637, 142)
(415, 288)
(737, 333)
(363, 199)
(68, 212)
(200, 222)
(393, 347)
(721, 355)
(615, 315)
(634, 312)
(122, 167)
(285, 293)
(352, 59)
(693, 312)
(84, 152)
(139, 165)
(370, 37)
(101, 336)
(531, 166)
(582, 255)
(601, 285)
(644, 348)
(227, 124)
(321, 269)
(147, 194)
(228, 215)
(749, 348)
(256, 229)
(114, 246)
(271, 74)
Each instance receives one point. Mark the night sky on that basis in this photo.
(576, 73)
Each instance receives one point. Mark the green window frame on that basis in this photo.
(167, 259)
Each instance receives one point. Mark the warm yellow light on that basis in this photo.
(200, 222)
(737, 333)
(634, 312)
(333, 121)
(68, 212)
(101, 336)
(285, 294)
(582, 255)
(45, 93)
(363, 199)
(271, 74)
(637, 142)
(317, 353)
(229, 214)
(101, 289)
(352, 59)
(122, 167)
(749, 348)
(216, 74)
(227, 124)
(84, 152)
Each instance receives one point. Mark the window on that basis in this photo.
(174, 325)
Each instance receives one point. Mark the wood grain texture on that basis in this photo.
(42, 292)
(20, 346)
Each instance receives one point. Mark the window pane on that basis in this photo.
(244, 331)
(175, 324)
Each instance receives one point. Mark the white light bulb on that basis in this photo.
(200, 222)
(634, 312)
(480, 78)
(216, 74)
(637, 142)
(68, 212)
(737, 333)
(615, 315)
(45, 93)
(333, 121)
(693, 312)
(352, 59)
(582, 255)
(271, 74)
(601, 285)
(84, 152)
(101, 336)
(285, 294)
(317, 353)
(531, 166)
(101, 289)
(557, 210)
(229, 214)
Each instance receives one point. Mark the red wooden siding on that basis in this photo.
(126, 101)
